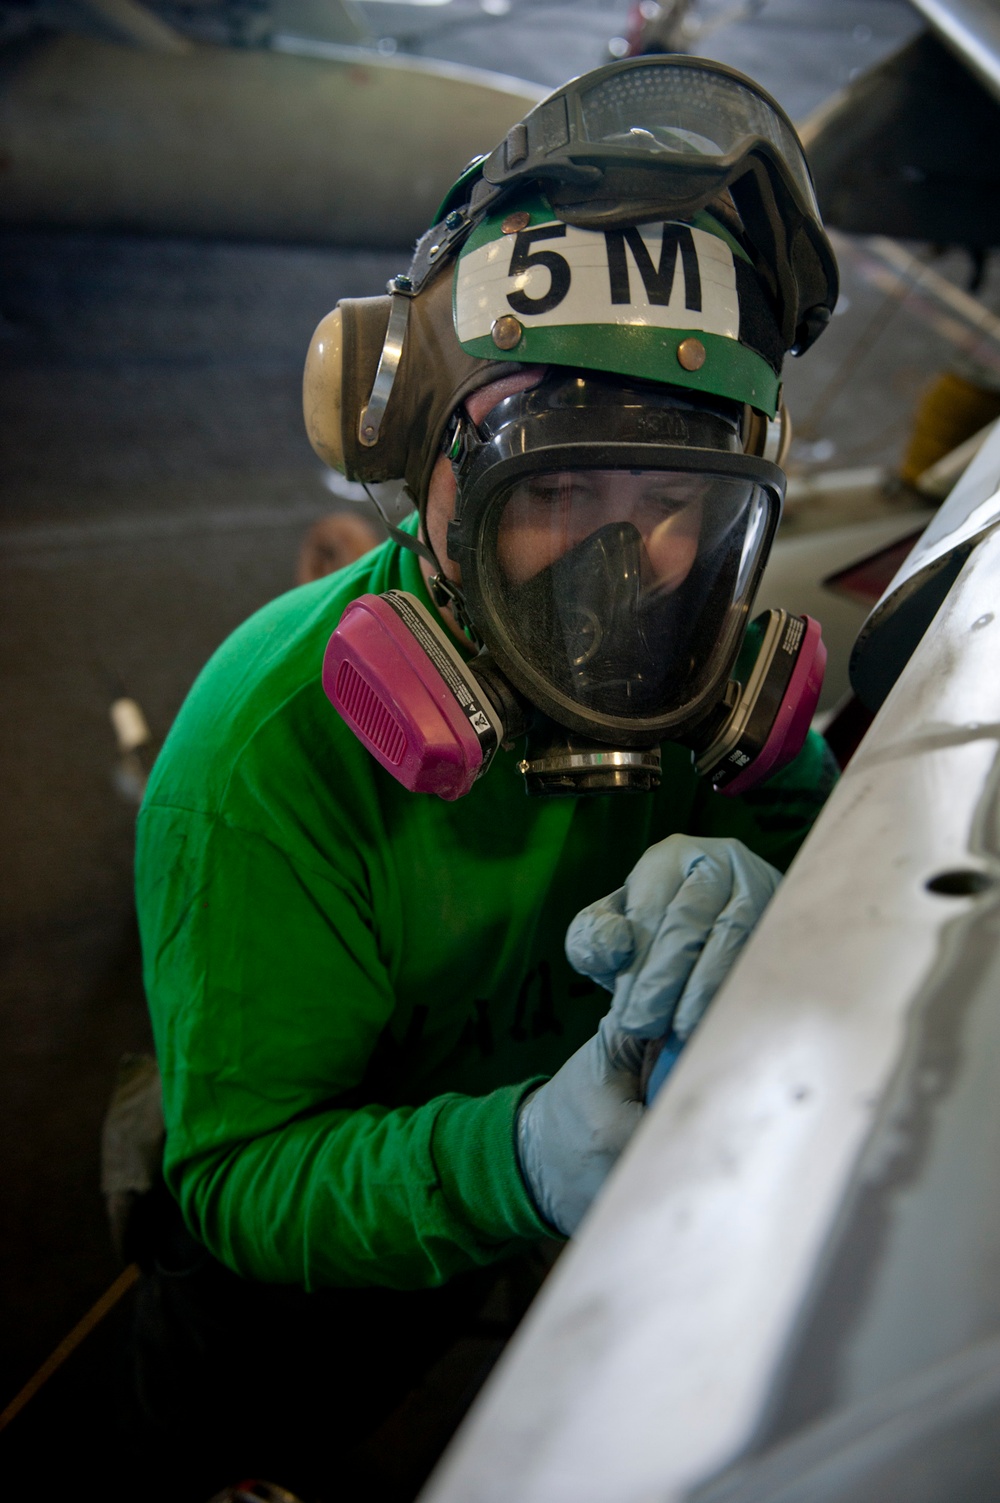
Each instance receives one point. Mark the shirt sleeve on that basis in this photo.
(268, 996)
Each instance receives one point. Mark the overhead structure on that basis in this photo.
(310, 143)
(971, 29)
(908, 149)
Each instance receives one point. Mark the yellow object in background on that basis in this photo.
(950, 410)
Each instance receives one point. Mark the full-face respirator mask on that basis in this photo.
(613, 515)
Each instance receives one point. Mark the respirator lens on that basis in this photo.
(623, 590)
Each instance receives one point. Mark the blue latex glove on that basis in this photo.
(572, 1129)
(663, 944)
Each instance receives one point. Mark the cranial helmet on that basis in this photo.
(646, 246)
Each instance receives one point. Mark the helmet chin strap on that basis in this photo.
(444, 592)
(404, 539)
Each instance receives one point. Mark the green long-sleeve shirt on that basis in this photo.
(351, 984)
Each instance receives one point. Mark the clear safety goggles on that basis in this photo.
(665, 137)
(701, 116)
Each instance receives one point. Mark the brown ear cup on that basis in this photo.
(754, 432)
(434, 376)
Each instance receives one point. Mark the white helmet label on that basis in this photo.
(668, 276)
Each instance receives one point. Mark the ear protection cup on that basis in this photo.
(764, 437)
(753, 431)
(323, 390)
(434, 376)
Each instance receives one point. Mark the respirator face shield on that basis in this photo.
(610, 540)
(614, 589)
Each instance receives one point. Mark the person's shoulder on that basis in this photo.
(780, 811)
(806, 782)
(264, 680)
(772, 818)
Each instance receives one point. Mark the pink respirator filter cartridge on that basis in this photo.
(394, 675)
(790, 727)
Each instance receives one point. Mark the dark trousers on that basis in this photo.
(236, 1379)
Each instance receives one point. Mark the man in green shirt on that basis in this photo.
(381, 1073)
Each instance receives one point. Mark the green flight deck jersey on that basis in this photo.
(353, 986)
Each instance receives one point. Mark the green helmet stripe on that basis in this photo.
(730, 369)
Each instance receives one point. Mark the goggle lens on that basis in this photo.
(691, 113)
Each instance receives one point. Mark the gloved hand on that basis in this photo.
(572, 1129)
(663, 943)
(666, 941)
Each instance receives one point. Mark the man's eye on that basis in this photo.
(671, 504)
(566, 494)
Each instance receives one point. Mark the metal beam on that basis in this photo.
(971, 28)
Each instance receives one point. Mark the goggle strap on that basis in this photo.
(404, 539)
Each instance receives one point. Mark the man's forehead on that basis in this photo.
(483, 401)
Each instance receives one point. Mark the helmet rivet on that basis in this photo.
(691, 354)
(515, 222)
(506, 332)
(369, 430)
(435, 250)
(454, 221)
